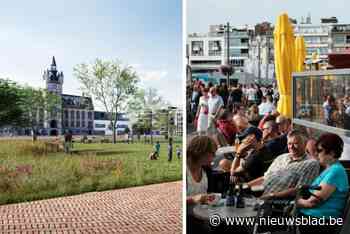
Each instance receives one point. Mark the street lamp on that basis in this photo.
(267, 58)
(228, 52)
(258, 41)
(227, 68)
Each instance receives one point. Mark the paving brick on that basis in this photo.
(145, 209)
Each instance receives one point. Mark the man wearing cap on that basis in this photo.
(246, 166)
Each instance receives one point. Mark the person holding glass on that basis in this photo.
(330, 201)
(200, 153)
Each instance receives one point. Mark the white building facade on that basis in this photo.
(208, 52)
(102, 124)
(178, 122)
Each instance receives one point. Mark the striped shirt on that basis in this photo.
(285, 173)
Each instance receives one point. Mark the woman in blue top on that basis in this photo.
(330, 201)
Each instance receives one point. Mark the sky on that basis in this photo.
(144, 34)
(202, 13)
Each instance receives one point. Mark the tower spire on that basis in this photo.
(53, 61)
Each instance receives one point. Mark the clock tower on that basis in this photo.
(53, 78)
(54, 82)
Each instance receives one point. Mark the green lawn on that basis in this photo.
(28, 173)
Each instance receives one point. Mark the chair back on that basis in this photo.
(346, 217)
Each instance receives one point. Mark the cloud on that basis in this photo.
(152, 75)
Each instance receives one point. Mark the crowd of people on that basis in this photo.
(337, 111)
(268, 151)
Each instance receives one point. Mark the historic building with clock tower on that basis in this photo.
(54, 83)
(76, 113)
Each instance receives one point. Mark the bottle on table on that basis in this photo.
(231, 198)
(240, 199)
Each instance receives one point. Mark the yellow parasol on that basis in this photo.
(284, 64)
(300, 54)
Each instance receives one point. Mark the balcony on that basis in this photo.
(215, 53)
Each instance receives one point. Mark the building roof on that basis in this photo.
(78, 102)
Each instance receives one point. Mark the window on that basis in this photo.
(235, 52)
(78, 124)
(202, 62)
(310, 50)
(122, 126)
(65, 114)
(197, 48)
(83, 116)
(244, 40)
(72, 124)
(309, 98)
(348, 39)
(100, 125)
(90, 115)
(339, 39)
(235, 42)
(72, 114)
(244, 52)
(215, 48)
(83, 123)
(237, 62)
(324, 39)
(78, 114)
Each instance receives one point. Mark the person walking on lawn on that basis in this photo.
(170, 150)
(68, 142)
(157, 148)
(178, 152)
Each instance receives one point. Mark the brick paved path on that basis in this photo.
(147, 209)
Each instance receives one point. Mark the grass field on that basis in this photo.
(29, 172)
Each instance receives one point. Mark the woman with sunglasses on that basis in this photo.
(330, 201)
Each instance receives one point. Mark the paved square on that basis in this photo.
(147, 209)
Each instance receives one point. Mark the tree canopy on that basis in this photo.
(10, 96)
(109, 83)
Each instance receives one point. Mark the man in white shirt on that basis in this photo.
(215, 104)
(266, 107)
(251, 92)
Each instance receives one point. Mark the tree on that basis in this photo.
(10, 110)
(38, 105)
(145, 108)
(109, 83)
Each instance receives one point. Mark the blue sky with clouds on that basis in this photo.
(144, 34)
(201, 13)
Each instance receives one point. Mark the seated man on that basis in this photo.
(275, 143)
(241, 122)
(257, 157)
(224, 161)
(311, 149)
(247, 164)
(289, 170)
(284, 124)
